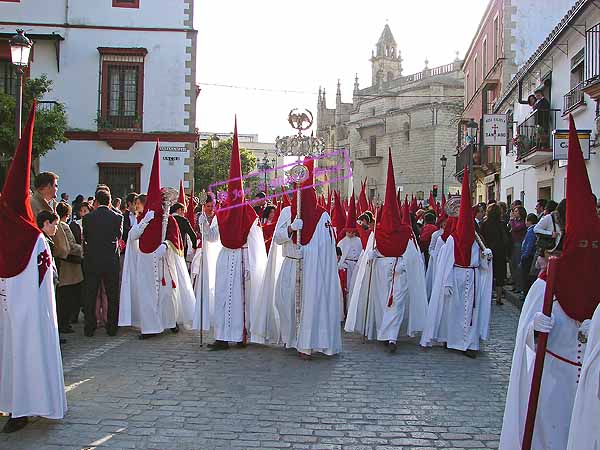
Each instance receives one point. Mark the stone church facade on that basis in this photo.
(415, 115)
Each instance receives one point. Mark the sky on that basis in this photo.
(281, 52)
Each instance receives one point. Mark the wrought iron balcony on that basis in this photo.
(592, 62)
(573, 98)
(533, 140)
(46, 106)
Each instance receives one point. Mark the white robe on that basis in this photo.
(31, 371)
(434, 246)
(147, 304)
(461, 319)
(319, 329)
(351, 250)
(233, 287)
(406, 277)
(559, 379)
(204, 266)
(584, 431)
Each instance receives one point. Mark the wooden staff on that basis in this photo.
(299, 265)
(364, 338)
(540, 355)
(245, 331)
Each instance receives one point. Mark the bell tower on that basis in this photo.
(386, 62)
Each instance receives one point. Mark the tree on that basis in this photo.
(50, 122)
(204, 168)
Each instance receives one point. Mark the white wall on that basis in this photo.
(76, 164)
(151, 13)
(77, 83)
(535, 20)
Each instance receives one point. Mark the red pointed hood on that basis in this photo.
(328, 206)
(310, 211)
(431, 201)
(236, 217)
(391, 235)
(578, 269)
(286, 201)
(152, 236)
(181, 198)
(443, 202)
(18, 229)
(363, 204)
(190, 214)
(414, 207)
(406, 215)
(449, 227)
(464, 234)
(351, 217)
(338, 219)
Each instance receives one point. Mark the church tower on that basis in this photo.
(386, 61)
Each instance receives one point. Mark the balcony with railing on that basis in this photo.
(534, 136)
(486, 160)
(573, 99)
(46, 106)
(591, 84)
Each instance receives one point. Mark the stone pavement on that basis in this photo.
(168, 393)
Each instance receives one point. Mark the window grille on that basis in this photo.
(121, 178)
(121, 90)
(8, 78)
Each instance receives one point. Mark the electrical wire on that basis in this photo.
(293, 91)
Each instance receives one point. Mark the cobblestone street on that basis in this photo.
(168, 393)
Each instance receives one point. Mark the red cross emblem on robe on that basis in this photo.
(43, 262)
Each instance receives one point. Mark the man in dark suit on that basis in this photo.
(102, 230)
(177, 211)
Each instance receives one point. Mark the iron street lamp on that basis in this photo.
(443, 160)
(214, 142)
(264, 166)
(20, 47)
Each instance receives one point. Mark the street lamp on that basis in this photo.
(264, 166)
(443, 160)
(214, 142)
(20, 47)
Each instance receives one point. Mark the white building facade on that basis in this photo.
(126, 72)
(565, 66)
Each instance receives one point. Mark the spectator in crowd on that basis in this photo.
(64, 197)
(542, 106)
(549, 231)
(260, 201)
(102, 230)
(540, 206)
(78, 201)
(503, 213)
(517, 233)
(129, 215)
(531, 101)
(528, 253)
(116, 203)
(140, 203)
(43, 198)
(185, 229)
(268, 214)
(479, 215)
(70, 274)
(495, 235)
(90, 200)
(47, 221)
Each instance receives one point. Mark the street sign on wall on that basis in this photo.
(560, 147)
(495, 129)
